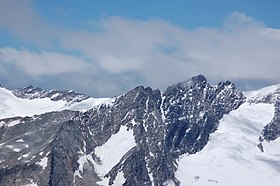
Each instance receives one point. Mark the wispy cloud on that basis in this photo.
(115, 54)
(41, 63)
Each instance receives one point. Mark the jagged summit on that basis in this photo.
(198, 79)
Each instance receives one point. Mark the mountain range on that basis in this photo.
(191, 134)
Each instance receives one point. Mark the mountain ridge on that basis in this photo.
(31, 100)
(153, 130)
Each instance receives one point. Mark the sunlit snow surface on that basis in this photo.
(110, 154)
(11, 106)
(231, 156)
(43, 162)
(112, 151)
(32, 184)
(257, 95)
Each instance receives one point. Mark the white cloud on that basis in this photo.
(116, 53)
(163, 53)
(41, 63)
(238, 20)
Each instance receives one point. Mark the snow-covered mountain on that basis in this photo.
(33, 100)
(191, 134)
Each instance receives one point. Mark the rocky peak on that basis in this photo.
(165, 126)
(200, 80)
(192, 112)
(197, 82)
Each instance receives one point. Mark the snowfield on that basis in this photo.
(231, 156)
(12, 106)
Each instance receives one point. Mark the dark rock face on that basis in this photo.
(31, 92)
(165, 126)
(193, 110)
(272, 130)
(24, 145)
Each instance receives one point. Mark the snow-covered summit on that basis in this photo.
(267, 94)
(30, 101)
(32, 92)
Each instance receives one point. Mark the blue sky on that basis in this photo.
(105, 48)
(187, 13)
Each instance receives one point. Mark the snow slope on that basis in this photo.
(261, 93)
(110, 154)
(11, 106)
(231, 156)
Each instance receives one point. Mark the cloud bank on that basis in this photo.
(115, 54)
